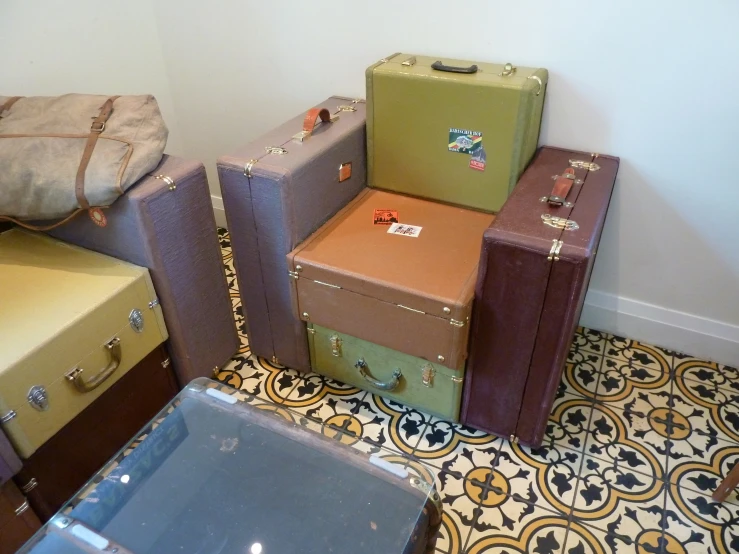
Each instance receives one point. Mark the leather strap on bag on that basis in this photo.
(311, 118)
(9, 103)
(562, 186)
(96, 129)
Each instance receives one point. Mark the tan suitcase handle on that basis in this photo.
(76, 378)
(562, 186)
(311, 118)
(392, 384)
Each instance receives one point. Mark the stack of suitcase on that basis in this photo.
(430, 277)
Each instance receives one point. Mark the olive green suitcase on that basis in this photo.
(451, 130)
(430, 387)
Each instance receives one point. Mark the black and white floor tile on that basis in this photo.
(638, 439)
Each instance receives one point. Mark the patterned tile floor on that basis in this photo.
(638, 439)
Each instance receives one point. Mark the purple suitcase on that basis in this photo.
(276, 191)
(166, 224)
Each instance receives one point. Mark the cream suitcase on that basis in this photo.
(72, 322)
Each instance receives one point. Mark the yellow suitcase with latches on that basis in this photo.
(72, 322)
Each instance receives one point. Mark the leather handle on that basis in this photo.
(311, 118)
(562, 186)
(76, 378)
(439, 66)
(392, 384)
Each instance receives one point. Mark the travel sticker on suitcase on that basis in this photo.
(464, 141)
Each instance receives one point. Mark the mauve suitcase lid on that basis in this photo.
(349, 115)
(156, 182)
(221, 475)
(520, 221)
(434, 270)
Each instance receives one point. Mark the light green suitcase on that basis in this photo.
(412, 381)
(462, 133)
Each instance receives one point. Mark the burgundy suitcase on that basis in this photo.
(166, 223)
(535, 266)
(276, 191)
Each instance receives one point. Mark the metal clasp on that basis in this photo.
(335, 342)
(279, 150)
(590, 166)
(427, 375)
(508, 70)
(38, 398)
(559, 222)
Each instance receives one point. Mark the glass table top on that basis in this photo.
(219, 471)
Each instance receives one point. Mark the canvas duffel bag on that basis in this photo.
(61, 155)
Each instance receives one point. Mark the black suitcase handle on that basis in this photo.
(439, 66)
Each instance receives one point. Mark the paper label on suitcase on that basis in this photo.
(405, 230)
(478, 159)
(464, 141)
(385, 217)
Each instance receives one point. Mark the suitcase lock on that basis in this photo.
(38, 398)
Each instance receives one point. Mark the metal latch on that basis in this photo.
(153, 304)
(275, 150)
(590, 166)
(38, 398)
(559, 222)
(136, 320)
(554, 250)
(427, 375)
(456, 323)
(508, 70)
(335, 341)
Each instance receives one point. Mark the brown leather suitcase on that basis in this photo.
(18, 522)
(409, 293)
(535, 266)
(62, 465)
(165, 223)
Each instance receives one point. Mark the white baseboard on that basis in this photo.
(218, 211)
(701, 337)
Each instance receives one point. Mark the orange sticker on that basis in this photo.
(98, 217)
(345, 171)
(385, 217)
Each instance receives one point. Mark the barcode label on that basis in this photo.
(405, 230)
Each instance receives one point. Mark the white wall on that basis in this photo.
(52, 47)
(652, 82)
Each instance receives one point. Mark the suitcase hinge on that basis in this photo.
(7, 417)
(22, 508)
(168, 180)
(335, 341)
(165, 364)
(275, 360)
(248, 167)
(409, 62)
(327, 284)
(28, 487)
(554, 250)
(513, 439)
(311, 330)
(560, 222)
(456, 323)
(456, 379)
(430, 491)
(153, 304)
(590, 166)
(427, 375)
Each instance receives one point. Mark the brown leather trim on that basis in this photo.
(562, 186)
(9, 103)
(42, 227)
(311, 118)
(96, 129)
